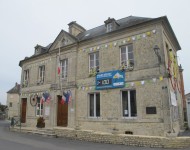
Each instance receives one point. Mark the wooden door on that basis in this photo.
(62, 113)
(23, 113)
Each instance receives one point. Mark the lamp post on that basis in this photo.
(157, 52)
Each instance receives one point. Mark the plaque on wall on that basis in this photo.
(150, 110)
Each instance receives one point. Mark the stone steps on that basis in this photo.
(42, 132)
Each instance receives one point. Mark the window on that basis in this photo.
(26, 75)
(94, 61)
(129, 103)
(109, 27)
(64, 68)
(94, 102)
(41, 74)
(25, 78)
(10, 104)
(127, 55)
(39, 107)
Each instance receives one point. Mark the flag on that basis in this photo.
(59, 68)
(63, 99)
(48, 99)
(42, 100)
(68, 97)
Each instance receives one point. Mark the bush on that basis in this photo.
(40, 122)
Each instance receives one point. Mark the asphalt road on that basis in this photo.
(21, 141)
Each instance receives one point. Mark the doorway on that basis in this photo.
(62, 113)
(23, 112)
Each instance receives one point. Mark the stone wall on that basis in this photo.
(130, 140)
(14, 110)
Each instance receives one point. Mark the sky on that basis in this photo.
(26, 23)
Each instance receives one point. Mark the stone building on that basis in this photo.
(121, 76)
(13, 101)
(187, 96)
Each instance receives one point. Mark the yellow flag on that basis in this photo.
(161, 78)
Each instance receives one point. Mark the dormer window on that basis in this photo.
(111, 24)
(109, 27)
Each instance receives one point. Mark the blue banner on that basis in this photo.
(110, 79)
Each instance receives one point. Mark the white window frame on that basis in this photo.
(41, 75)
(126, 54)
(64, 68)
(94, 105)
(26, 75)
(94, 59)
(129, 104)
(40, 108)
(109, 27)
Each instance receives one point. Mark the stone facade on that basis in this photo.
(187, 96)
(13, 102)
(153, 77)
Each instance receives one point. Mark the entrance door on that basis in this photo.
(23, 114)
(62, 113)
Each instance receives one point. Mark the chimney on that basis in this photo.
(75, 28)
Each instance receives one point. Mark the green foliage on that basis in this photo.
(2, 107)
(40, 122)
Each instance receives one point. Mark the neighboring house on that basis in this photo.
(187, 96)
(13, 101)
(122, 75)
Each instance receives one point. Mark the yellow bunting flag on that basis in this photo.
(138, 37)
(148, 33)
(137, 83)
(161, 78)
(128, 39)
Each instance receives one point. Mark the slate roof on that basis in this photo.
(123, 23)
(15, 89)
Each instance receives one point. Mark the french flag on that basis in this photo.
(63, 99)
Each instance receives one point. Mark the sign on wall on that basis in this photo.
(110, 79)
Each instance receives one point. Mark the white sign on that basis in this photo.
(47, 109)
(126, 112)
(173, 98)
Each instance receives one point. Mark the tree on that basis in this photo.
(2, 107)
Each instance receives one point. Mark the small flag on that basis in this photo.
(161, 78)
(154, 80)
(63, 99)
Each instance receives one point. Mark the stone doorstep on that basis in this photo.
(43, 132)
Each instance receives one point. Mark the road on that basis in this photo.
(22, 141)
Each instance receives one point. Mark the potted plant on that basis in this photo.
(40, 122)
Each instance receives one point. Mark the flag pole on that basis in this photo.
(60, 68)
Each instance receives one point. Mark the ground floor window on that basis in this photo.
(129, 108)
(94, 105)
(39, 107)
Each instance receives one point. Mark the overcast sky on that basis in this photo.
(26, 23)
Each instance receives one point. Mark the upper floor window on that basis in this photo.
(109, 27)
(94, 101)
(64, 68)
(26, 75)
(94, 61)
(39, 107)
(10, 104)
(41, 75)
(129, 108)
(127, 57)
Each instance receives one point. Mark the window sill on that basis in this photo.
(130, 118)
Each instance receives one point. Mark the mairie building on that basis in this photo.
(121, 76)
